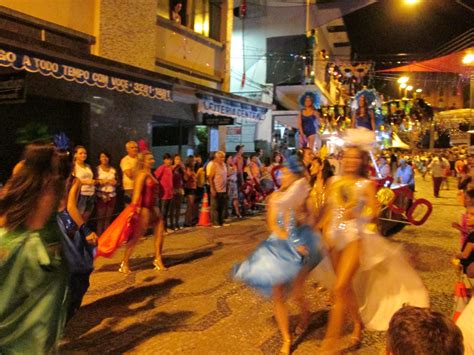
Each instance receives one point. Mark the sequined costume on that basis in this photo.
(384, 281)
(277, 261)
(33, 287)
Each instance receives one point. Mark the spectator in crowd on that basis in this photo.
(106, 194)
(437, 167)
(459, 167)
(447, 171)
(239, 162)
(421, 331)
(277, 164)
(129, 165)
(259, 152)
(218, 184)
(200, 182)
(233, 191)
(253, 169)
(83, 172)
(266, 180)
(384, 168)
(164, 175)
(405, 175)
(190, 186)
(178, 192)
(207, 170)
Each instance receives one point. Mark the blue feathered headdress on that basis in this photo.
(61, 141)
(372, 99)
(314, 96)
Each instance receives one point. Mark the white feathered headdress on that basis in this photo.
(362, 138)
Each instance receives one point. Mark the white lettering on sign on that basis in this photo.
(7, 56)
(46, 67)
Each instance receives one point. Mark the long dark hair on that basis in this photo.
(363, 170)
(326, 172)
(19, 198)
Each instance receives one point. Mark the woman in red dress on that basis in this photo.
(144, 200)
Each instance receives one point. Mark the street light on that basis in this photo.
(403, 80)
(409, 88)
(468, 59)
(419, 90)
(411, 2)
(403, 86)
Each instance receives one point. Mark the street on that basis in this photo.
(195, 307)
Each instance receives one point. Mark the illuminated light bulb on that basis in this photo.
(468, 58)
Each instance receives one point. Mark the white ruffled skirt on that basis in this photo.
(384, 282)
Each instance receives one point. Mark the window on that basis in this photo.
(169, 135)
(202, 16)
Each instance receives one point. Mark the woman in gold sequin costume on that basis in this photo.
(372, 278)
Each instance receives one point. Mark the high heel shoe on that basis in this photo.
(286, 347)
(158, 265)
(124, 269)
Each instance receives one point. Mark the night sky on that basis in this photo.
(390, 27)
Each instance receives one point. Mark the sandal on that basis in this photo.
(124, 269)
(158, 265)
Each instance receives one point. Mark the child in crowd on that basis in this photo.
(420, 331)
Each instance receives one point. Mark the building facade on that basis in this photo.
(107, 71)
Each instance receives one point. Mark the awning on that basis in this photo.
(215, 105)
(398, 143)
(80, 74)
(451, 63)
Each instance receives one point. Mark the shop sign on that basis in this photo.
(463, 138)
(217, 106)
(12, 88)
(211, 120)
(234, 134)
(47, 67)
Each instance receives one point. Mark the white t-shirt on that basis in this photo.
(85, 173)
(128, 163)
(106, 175)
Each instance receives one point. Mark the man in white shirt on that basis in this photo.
(129, 164)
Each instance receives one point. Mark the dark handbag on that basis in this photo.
(78, 253)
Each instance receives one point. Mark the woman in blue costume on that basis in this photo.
(77, 241)
(362, 114)
(283, 261)
(33, 275)
(309, 120)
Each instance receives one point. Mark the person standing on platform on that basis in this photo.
(218, 185)
(128, 165)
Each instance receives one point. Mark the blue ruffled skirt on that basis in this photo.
(277, 262)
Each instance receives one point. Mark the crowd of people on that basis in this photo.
(320, 211)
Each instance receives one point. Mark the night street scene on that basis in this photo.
(237, 177)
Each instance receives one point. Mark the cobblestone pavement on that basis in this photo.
(195, 308)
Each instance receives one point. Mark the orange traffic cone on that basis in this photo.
(205, 215)
(460, 299)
